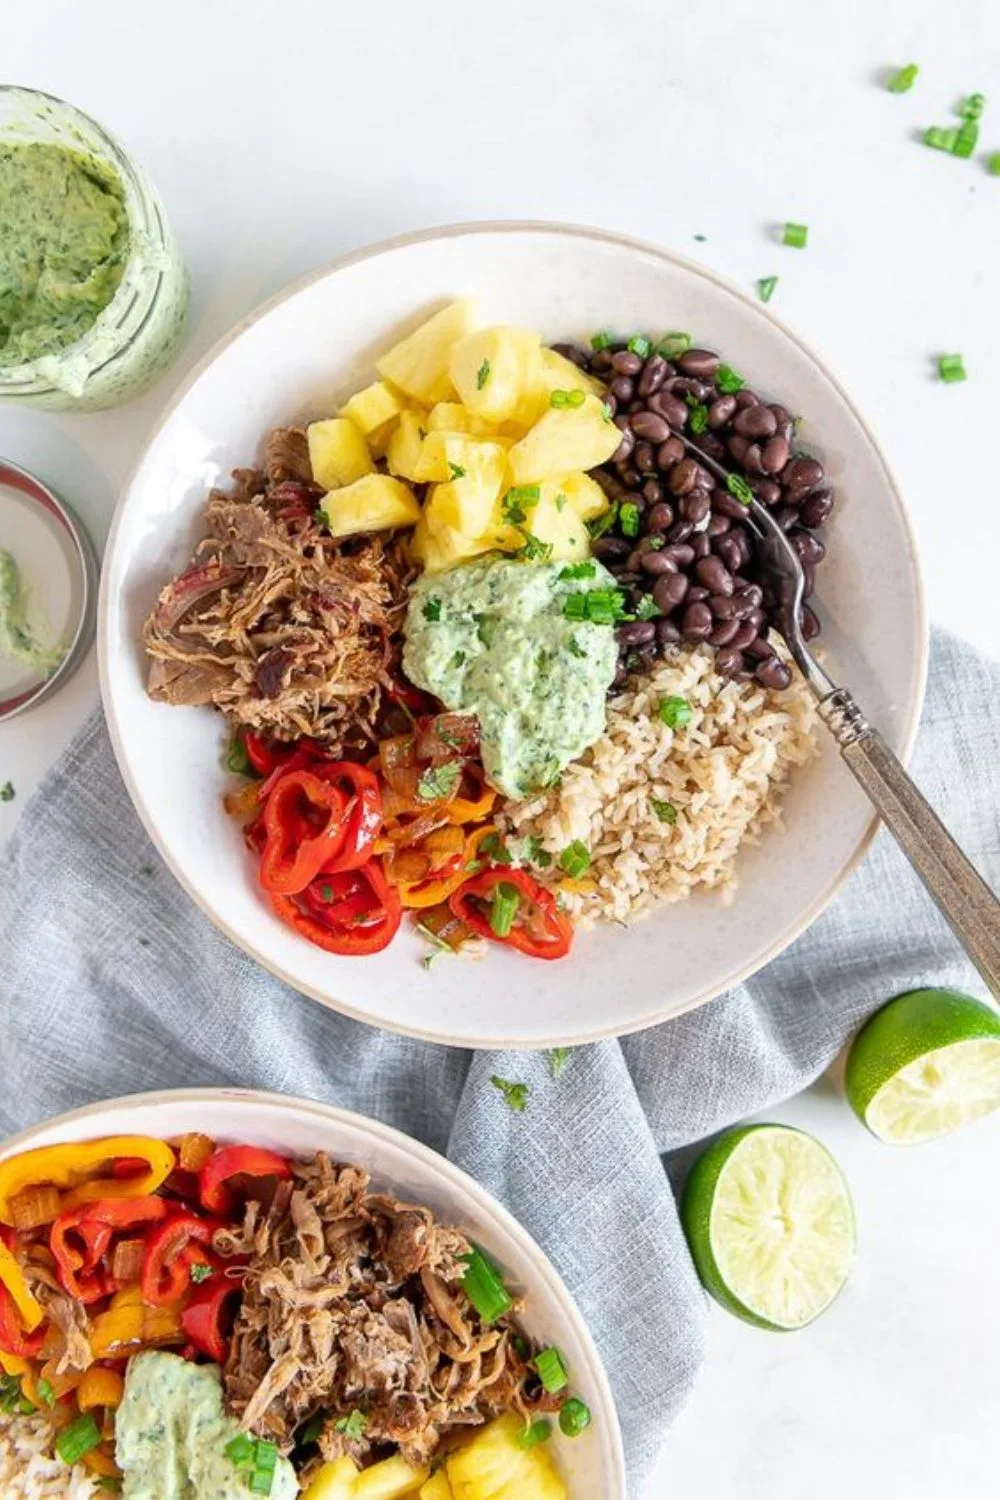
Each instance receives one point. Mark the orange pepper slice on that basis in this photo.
(433, 891)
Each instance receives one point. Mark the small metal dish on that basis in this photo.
(59, 567)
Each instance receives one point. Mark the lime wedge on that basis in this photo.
(924, 1065)
(770, 1223)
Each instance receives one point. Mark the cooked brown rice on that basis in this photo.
(30, 1471)
(724, 773)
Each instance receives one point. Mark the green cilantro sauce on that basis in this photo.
(63, 246)
(19, 638)
(171, 1434)
(491, 638)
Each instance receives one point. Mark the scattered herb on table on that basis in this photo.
(515, 1095)
(558, 1058)
(795, 235)
(951, 368)
(765, 287)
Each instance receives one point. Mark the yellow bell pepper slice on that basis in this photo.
(13, 1364)
(100, 1387)
(124, 1330)
(13, 1278)
(432, 892)
(127, 1296)
(73, 1166)
(461, 810)
(99, 1462)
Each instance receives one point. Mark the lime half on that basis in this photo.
(925, 1064)
(770, 1223)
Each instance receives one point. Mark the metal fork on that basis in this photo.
(962, 895)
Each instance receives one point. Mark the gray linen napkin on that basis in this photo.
(112, 982)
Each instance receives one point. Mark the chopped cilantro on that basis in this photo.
(534, 549)
(457, 472)
(432, 609)
(482, 374)
(438, 782)
(515, 1094)
(575, 649)
(727, 380)
(647, 608)
(518, 501)
(604, 522)
(201, 1272)
(354, 1426)
(537, 854)
(558, 1058)
(458, 660)
(577, 570)
(494, 849)
(560, 502)
(665, 811)
(698, 420)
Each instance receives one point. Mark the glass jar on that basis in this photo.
(134, 337)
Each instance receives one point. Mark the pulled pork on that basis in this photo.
(286, 630)
(353, 1302)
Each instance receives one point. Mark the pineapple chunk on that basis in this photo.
(338, 453)
(564, 439)
(403, 452)
(550, 372)
(489, 370)
(388, 1480)
(583, 495)
(495, 1467)
(477, 471)
(451, 416)
(433, 465)
(419, 365)
(376, 502)
(437, 1487)
(333, 1481)
(374, 408)
(438, 547)
(560, 529)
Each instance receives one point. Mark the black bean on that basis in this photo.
(656, 563)
(695, 506)
(697, 594)
(723, 633)
(772, 673)
(744, 636)
(816, 510)
(626, 363)
(758, 618)
(760, 648)
(573, 353)
(600, 361)
(683, 476)
(611, 402)
(631, 478)
(622, 389)
(625, 447)
(636, 633)
(701, 545)
(713, 445)
(809, 622)
(684, 386)
(802, 474)
(786, 517)
(750, 597)
(746, 398)
(669, 453)
(680, 552)
(669, 591)
(752, 457)
(660, 515)
(767, 492)
(696, 622)
(774, 454)
(738, 446)
(611, 547)
(670, 407)
(809, 575)
(654, 373)
(723, 606)
(783, 417)
(701, 363)
(718, 525)
(728, 661)
(645, 458)
(809, 547)
(667, 632)
(728, 548)
(727, 505)
(755, 422)
(650, 426)
(721, 410)
(679, 532)
(714, 574)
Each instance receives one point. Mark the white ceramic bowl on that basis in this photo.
(592, 1464)
(297, 359)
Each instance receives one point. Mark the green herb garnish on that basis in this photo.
(665, 811)
(600, 524)
(765, 287)
(577, 570)
(432, 609)
(574, 1416)
(312, 1430)
(600, 340)
(482, 374)
(200, 1271)
(647, 608)
(628, 517)
(77, 1439)
(495, 850)
(599, 606)
(515, 1095)
(558, 1058)
(482, 1282)
(639, 344)
(675, 712)
(560, 502)
(438, 782)
(727, 380)
(551, 1370)
(971, 107)
(457, 472)
(575, 859)
(503, 908)
(538, 1431)
(903, 79)
(237, 759)
(240, 1450)
(673, 345)
(46, 1392)
(739, 489)
(458, 660)
(575, 649)
(951, 368)
(518, 501)
(698, 420)
(537, 854)
(567, 398)
(354, 1426)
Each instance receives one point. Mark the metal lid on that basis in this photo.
(51, 581)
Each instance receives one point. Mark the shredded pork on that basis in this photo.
(286, 630)
(353, 1303)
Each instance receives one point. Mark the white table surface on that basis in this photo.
(282, 133)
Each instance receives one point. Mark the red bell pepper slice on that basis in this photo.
(236, 1161)
(305, 823)
(364, 812)
(266, 756)
(206, 1315)
(13, 1338)
(79, 1240)
(166, 1271)
(361, 914)
(539, 928)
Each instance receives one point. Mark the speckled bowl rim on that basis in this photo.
(915, 696)
(58, 511)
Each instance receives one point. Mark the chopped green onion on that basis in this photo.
(639, 344)
(536, 1432)
(432, 609)
(765, 287)
(482, 374)
(578, 570)
(795, 235)
(77, 1439)
(261, 1481)
(558, 1058)
(647, 608)
(575, 859)
(503, 908)
(265, 1465)
(457, 472)
(607, 412)
(551, 1370)
(482, 1283)
(739, 489)
(675, 712)
(972, 106)
(951, 368)
(698, 420)
(941, 137)
(966, 140)
(240, 1450)
(628, 518)
(727, 380)
(567, 398)
(237, 759)
(600, 340)
(438, 782)
(672, 345)
(574, 1416)
(665, 811)
(903, 80)
(604, 522)
(992, 166)
(200, 1271)
(353, 1426)
(46, 1392)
